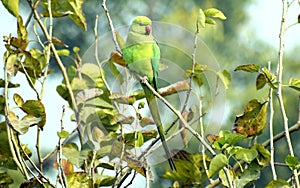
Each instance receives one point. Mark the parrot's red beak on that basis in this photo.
(148, 29)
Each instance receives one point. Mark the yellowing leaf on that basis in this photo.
(295, 83)
(253, 121)
(11, 63)
(120, 40)
(201, 18)
(22, 126)
(22, 32)
(248, 68)
(215, 13)
(78, 179)
(35, 108)
(12, 6)
(279, 183)
(18, 100)
(225, 78)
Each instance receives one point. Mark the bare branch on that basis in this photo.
(113, 31)
(280, 75)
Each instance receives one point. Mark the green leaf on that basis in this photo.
(6, 159)
(12, 6)
(73, 155)
(135, 164)
(63, 134)
(254, 119)
(106, 165)
(225, 178)
(35, 108)
(34, 64)
(140, 140)
(71, 8)
(215, 13)
(88, 94)
(99, 102)
(18, 100)
(216, 164)
(5, 178)
(295, 83)
(63, 92)
(264, 155)
(63, 52)
(78, 84)
(190, 168)
(260, 81)
(225, 78)
(76, 49)
(279, 183)
(269, 77)
(92, 75)
(201, 18)
(248, 68)
(136, 139)
(10, 85)
(104, 180)
(116, 73)
(247, 177)
(198, 72)
(292, 162)
(2, 104)
(226, 139)
(22, 32)
(120, 40)
(247, 155)
(97, 134)
(210, 21)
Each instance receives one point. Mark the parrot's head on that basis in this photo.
(141, 25)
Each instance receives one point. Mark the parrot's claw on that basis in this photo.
(144, 80)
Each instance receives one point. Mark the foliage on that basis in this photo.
(110, 138)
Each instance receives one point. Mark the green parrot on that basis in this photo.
(142, 56)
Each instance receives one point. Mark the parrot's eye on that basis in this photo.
(140, 24)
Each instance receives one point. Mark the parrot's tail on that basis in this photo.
(155, 113)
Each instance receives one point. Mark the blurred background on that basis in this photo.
(249, 35)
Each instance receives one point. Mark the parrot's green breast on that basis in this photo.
(142, 58)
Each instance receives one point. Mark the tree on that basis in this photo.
(116, 137)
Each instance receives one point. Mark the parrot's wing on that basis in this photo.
(155, 64)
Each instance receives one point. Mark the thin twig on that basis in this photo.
(61, 174)
(92, 169)
(10, 135)
(37, 146)
(33, 164)
(272, 150)
(111, 27)
(280, 75)
(202, 134)
(48, 54)
(97, 58)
